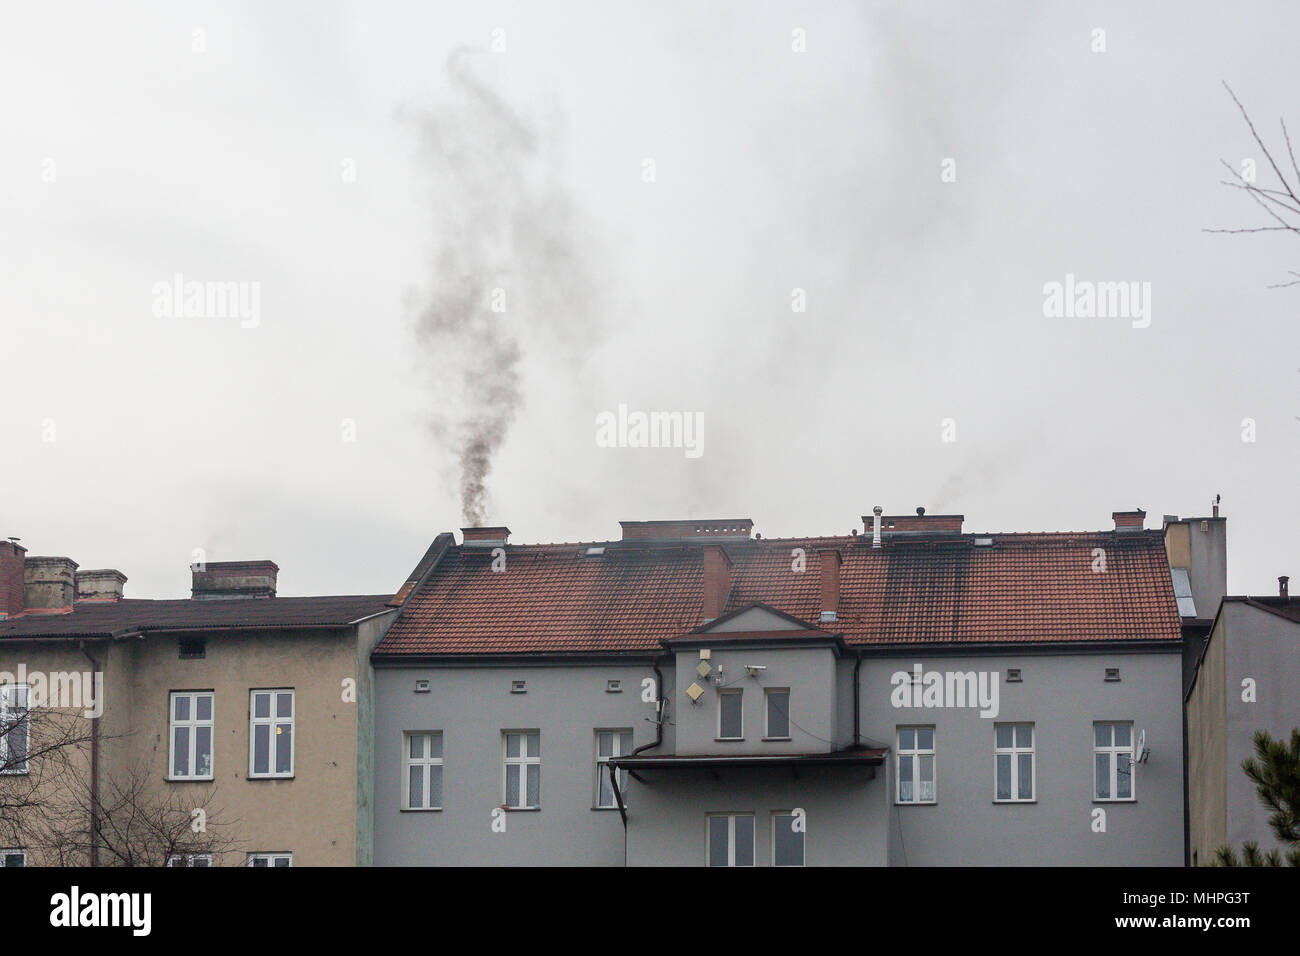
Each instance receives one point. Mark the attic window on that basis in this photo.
(594, 552)
(983, 542)
(1183, 592)
(192, 648)
(518, 687)
(1112, 673)
(1013, 675)
(613, 686)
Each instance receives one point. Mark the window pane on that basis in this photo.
(203, 751)
(1024, 735)
(534, 785)
(281, 861)
(717, 841)
(1103, 776)
(512, 745)
(730, 724)
(625, 745)
(925, 739)
(1123, 735)
(606, 796)
(283, 748)
(181, 747)
(1101, 734)
(1123, 777)
(260, 861)
(182, 707)
(202, 861)
(261, 705)
(744, 841)
(778, 715)
(203, 707)
(925, 778)
(261, 748)
(787, 844)
(512, 785)
(435, 786)
(605, 745)
(284, 704)
(534, 745)
(905, 793)
(415, 779)
(435, 746)
(417, 745)
(1004, 735)
(1004, 776)
(907, 740)
(1025, 777)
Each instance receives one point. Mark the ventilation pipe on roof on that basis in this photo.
(875, 526)
(1283, 582)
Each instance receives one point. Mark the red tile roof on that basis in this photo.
(940, 590)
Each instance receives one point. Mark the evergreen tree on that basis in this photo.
(1275, 771)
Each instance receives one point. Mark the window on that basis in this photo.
(423, 774)
(191, 736)
(13, 857)
(730, 839)
(610, 743)
(15, 727)
(192, 648)
(523, 766)
(190, 859)
(778, 713)
(1014, 759)
(270, 859)
(787, 838)
(270, 733)
(730, 721)
(916, 765)
(1113, 761)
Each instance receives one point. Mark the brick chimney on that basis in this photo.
(1127, 521)
(101, 585)
(829, 560)
(218, 580)
(49, 583)
(11, 578)
(708, 529)
(896, 526)
(717, 581)
(487, 537)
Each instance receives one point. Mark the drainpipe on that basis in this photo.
(660, 705)
(94, 766)
(857, 727)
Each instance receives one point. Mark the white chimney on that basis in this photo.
(875, 526)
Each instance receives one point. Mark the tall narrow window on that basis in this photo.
(1113, 761)
(1014, 762)
(730, 839)
(787, 838)
(523, 769)
(916, 765)
(191, 735)
(610, 743)
(423, 773)
(778, 713)
(730, 716)
(270, 733)
(15, 727)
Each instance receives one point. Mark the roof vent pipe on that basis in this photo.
(875, 526)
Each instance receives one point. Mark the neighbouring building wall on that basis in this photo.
(1062, 695)
(1207, 755)
(471, 706)
(368, 635)
(1265, 649)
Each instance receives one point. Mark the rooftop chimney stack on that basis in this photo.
(829, 560)
(1129, 521)
(101, 585)
(686, 530)
(717, 581)
(494, 536)
(875, 527)
(223, 580)
(1283, 582)
(891, 526)
(11, 578)
(49, 583)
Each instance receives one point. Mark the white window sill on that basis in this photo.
(421, 810)
(777, 739)
(520, 809)
(207, 779)
(270, 776)
(1015, 801)
(917, 803)
(729, 740)
(1114, 800)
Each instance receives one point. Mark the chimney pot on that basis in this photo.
(1128, 521)
(100, 585)
(49, 583)
(1283, 582)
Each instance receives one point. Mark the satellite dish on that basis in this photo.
(1142, 750)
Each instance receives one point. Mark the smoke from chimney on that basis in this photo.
(507, 262)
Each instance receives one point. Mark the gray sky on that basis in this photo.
(291, 151)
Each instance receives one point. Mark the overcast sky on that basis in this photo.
(289, 145)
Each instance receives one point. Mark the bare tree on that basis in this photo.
(1280, 203)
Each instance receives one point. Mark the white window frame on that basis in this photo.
(602, 765)
(731, 836)
(271, 721)
(738, 692)
(913, 754)
(768, 693)
(12, 851)
(426, 765)
(270, 858)
(189, 860)
(803, 838)
(1113, 751)
(523, 761)
(9, 724)
(1015, 752)
(192, 724)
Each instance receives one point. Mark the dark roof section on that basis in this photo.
(112, 618)
(1066, 587)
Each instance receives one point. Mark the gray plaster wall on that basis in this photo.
(471, 706)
